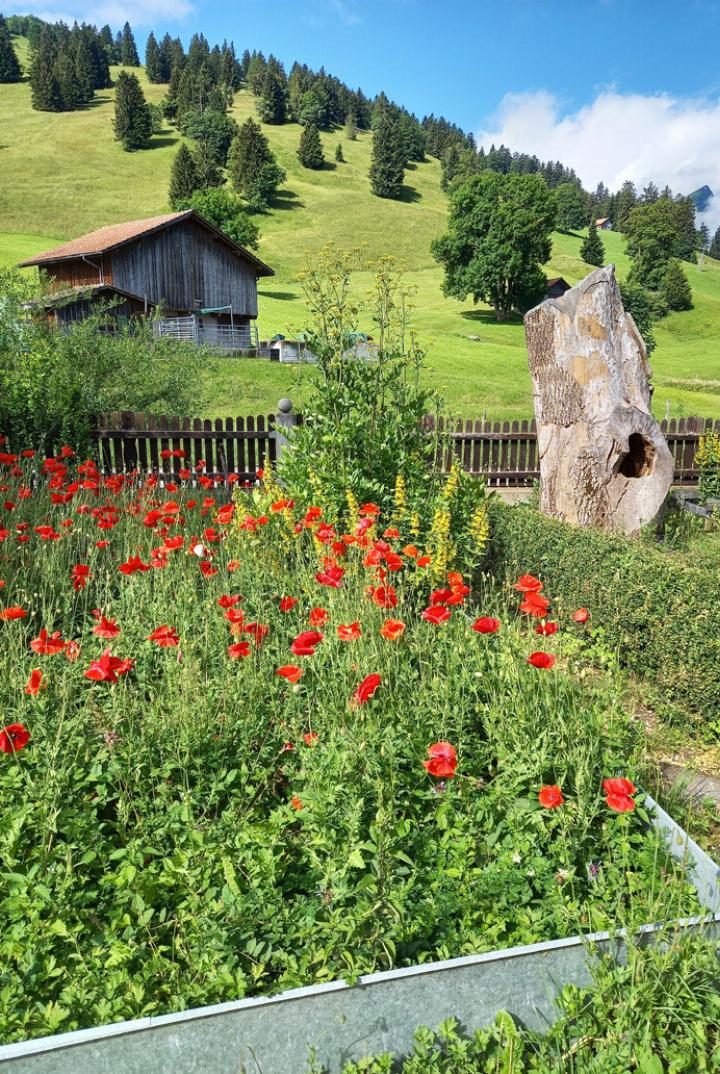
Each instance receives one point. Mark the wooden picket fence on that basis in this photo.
(504, 453)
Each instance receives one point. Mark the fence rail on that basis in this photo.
(504, 453)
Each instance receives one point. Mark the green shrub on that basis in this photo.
(663, 610)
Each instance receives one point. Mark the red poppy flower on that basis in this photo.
(581, 615)
(365, 690)
(411, 551)
(436, 613)
(79, 576)
(392, 629)
(528, 583)
(15, 612)
(535, 604)
(132, 565)
(318, 617)
(287, 603)
(291, 672)
(331, 576)
(620, 803)
(207, 569)
(165, 637)
(486, 625)
(310, 738)
(423, 561)
(384, 596)
(546, 629)
(443, 760)
(228, 601)
(351, 632)
(35, 683)
(239, 650)
(258, 631)
(304, 644)
(234, 615)
(541, 660)
(108, 668)
(47, 645)
(72, 651)
(619, 786)
(14, 738)
(296, 802)
(550, 796)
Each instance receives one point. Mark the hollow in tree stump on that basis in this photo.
(604, 461)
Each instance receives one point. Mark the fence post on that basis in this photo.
(284, 421)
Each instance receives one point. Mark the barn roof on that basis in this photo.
(114, 235)
(602, 220)
(70, 294)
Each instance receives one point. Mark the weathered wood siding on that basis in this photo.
(183, 266)
(78, 273)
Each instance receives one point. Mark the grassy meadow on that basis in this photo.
(63, 175)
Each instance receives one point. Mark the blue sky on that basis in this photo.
(615, 88)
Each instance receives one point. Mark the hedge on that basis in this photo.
(663, 610)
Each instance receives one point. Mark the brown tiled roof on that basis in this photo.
(114, 235)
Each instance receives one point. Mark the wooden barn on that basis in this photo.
(204, 283)
(603, 223)
(557, 287)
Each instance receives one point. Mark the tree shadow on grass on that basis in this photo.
(159, 142)
(286, 199)
(488, 317)
(282, 296)
(409, 194)
(97, 100)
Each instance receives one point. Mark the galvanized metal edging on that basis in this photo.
(275, 1034)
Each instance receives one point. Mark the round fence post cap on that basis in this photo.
(284, 406)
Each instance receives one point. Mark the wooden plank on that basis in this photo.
(195, 442)
(252, 463)
(229, 445)
(220, 454)
(164, 445)
(149, 455)
(272, 442)
(173, 464)
(186, 443)
(208, 449)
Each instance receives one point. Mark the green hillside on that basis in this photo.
(63, 174)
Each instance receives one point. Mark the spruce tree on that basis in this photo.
(153, 59)
(85, 73)
(183, 178)
(252, 168)
(272, 103)
(66, 78)
(675, 290)
(9, 66)
(351, 127)
(44, 86)
(133, 122)
(310, 151)
(387, 166)
(105, 39)
(128, 49)
(339, 154)
(714, 250)
(592, 250)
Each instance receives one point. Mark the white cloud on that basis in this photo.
(114, 12)
(619, 136)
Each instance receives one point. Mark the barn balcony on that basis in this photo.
(229, 338)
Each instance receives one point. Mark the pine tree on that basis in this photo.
(128, 49)
(133, 122)
(714, 250)
(183, 177)
(85, 73)
(46, 95)
(387, 166)
(9, 66)
(252, 168)
(105, 39)
(310, 151)
(675, 290)
(339, 154)
(153, 59)
(592, 250)
(273, 99)
(65, 76)
(351, 127)
(206, 166)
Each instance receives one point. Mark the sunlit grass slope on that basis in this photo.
(63, 175)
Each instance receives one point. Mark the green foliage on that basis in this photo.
(310, 150)
(571, 205)
(675, 291)
(66, 67)
(714, 249)
(592, 250)
(252, 168)
(10, 70)
(662, 609)
(272, 103)
(226, 212)
(212, 131)
(707, 458)
(498, 239)
(387, 167)
(339, 153)
(639, 303)
(656, 233)
(52, 383)
(351, 129)
(133, 121)
(128, 49)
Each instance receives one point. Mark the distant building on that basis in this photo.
(557, 287)
(604, 223)
(205, 283)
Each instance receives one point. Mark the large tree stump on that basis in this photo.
(604, 461)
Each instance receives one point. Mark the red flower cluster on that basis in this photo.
(443, 760)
